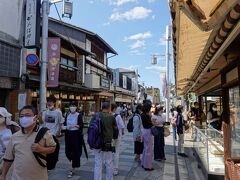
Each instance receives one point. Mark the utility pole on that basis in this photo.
(67, 12)
(44, 60)
(168, 39)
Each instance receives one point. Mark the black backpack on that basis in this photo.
(130, 124)
(50, 160)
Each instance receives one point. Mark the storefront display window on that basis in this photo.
(234, 109)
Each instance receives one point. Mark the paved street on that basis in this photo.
(184, 169)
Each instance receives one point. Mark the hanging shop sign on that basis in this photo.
(54, 46)
(32, 26)
(32, 59)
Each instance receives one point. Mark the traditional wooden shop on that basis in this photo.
(206, 41)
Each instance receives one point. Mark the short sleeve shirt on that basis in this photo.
(159, 118)
(72, 119)
(25, 166)
(5, 136)
(52, 120)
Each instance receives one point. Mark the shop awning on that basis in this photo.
(124, 100)
(106, 94)
(193, 37)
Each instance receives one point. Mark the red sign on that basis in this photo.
(54, 48)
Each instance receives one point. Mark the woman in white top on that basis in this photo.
(73, 137)
(158, 120)
(137, 132)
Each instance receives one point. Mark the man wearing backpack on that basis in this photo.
(21, 147)
(104, 154)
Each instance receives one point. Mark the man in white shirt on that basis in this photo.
(52, 118)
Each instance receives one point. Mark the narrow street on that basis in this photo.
(184, 169)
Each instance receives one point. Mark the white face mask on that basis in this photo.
(73, 109)
(26, 121)
(214, 109)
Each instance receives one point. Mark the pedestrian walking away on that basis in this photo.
(73, 137)
(104, 155)
(137, 132)
(158, 119)
(19, 152)
(116, 112)
(147, 137)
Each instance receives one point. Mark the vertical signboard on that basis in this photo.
(124, 82)
(164, 84)
(21, 100)
(32, 23)
(54, 48)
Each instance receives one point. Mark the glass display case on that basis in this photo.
(234, 113)
(209, 149)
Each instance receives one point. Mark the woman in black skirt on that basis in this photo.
(158, 120)
(73, 137)
(137, 132)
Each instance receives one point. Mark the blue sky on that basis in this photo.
(134, 28)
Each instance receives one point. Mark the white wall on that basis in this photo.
(11, 17)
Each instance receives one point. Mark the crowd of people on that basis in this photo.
(18, 146)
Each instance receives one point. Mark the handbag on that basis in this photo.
(154, 131)
(166, 131)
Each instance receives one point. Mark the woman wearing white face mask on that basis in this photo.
(73, 137)
(213, 117)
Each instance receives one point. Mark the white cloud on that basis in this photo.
(137, 53)
(106, 24)
(157, 68)
(121, 2)
(137, 44)
(151, 1)
(133, 14)
(144, 35)
(162, 40)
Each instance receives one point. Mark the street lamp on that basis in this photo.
(44, 61)
(167, 56)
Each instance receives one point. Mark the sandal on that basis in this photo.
(70, 174)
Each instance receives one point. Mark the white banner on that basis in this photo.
(32, 24)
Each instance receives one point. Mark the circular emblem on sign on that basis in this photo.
(54, 47)
(32, 59)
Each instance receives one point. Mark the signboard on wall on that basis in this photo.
(105, 82)
(21, 100)
(32, 26)
(54, 46)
